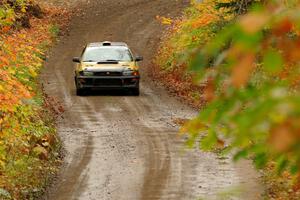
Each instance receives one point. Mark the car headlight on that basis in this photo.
(127, 73)
(131, 73)
(86, 73)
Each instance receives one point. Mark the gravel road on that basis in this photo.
(121, 147)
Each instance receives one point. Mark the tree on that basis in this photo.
(18, 12)
(237, 6)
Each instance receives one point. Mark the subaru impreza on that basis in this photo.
(107, 65)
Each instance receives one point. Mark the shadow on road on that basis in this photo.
(108, 92)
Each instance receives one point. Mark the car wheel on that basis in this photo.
(80, 92)
(135, 91)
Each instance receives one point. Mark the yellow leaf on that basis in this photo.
(23, 9)
(164, 20)
(1, 88)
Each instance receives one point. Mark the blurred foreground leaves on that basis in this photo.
(252, 74)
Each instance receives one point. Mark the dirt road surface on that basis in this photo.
(121, 147)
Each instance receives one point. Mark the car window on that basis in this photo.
(96, 54)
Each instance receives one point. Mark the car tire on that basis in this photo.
(135, 91)
(80, 92)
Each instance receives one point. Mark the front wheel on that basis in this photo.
(135, 91)
(80, 92)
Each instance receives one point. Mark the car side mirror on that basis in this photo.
(138, 58)
(76, 59)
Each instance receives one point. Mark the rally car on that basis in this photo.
(107, 65)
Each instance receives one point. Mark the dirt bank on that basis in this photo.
(125, 147)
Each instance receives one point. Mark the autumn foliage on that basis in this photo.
(246, 68)
(198, 26)
(27, 132)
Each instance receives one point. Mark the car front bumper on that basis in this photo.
(85, 82)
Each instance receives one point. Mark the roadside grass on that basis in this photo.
(54, 30)
(29, 146)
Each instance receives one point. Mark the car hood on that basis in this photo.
(107, 67)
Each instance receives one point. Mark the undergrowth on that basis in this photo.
(29, 147)
(200, 23)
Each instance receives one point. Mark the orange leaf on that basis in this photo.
(252, 23)
(242, 70)
(282, 138)
(209, 90)
(283, 27)
(4, 60)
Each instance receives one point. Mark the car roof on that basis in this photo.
(107, 43)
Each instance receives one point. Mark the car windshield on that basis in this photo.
(98, 54)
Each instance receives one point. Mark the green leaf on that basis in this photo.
(260, 160)
(241, 154)
(190, 143)
(209, 141)
(294, 169)
(198, 62)
(281, 164)
(273, 61)
(248, 41)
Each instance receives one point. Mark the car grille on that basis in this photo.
(108, 82)
(108, 73)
